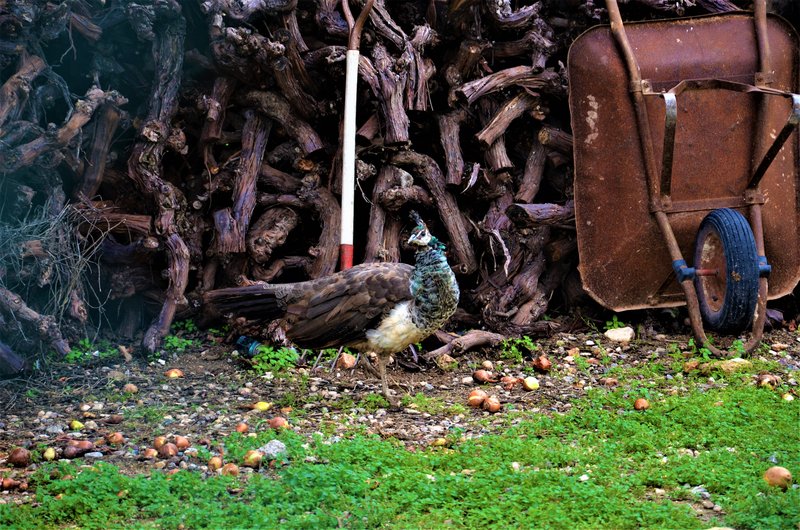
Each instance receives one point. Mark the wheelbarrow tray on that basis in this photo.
(624, 261)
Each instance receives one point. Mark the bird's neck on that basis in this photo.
(435, 289)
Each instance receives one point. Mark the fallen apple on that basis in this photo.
(252, 459)
(278, 423)
(476, 398)
(542, 364)
(19, 457)
(173, 373)
(530, 383)
(778, 477)
(214, 463)
(168, 450)
(115, 438)
(492, 404)
(230, 470)
(484, 376)
(262, 406)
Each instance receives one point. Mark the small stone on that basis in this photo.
(93, 454)
(116, 375)
(621, 335)
(708, 505)
(272, 449)
(727, 366)
(583, 478)
(446, 362)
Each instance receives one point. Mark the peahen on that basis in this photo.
(375, 307)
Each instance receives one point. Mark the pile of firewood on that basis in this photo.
(197, 144)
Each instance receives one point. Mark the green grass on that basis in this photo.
(596, 467)
(87, 351)
(432, 405)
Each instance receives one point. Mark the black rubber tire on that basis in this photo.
(728, 300)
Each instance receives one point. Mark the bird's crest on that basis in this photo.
(420, 236)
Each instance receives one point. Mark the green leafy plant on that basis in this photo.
(514, 349)
(581, 363)
(187, 326)
(704, 352)
(269, 359)
(432, 405)
(614, 323)
(86, 351)
(737, 347)
(373, 402)
(174, 343)
(219, 332)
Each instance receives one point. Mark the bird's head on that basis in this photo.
(420, 236)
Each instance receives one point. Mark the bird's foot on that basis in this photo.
(370, 368)
(394, 402)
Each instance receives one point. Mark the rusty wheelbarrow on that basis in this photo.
(685, 145)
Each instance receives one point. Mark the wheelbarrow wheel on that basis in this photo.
(726, 262)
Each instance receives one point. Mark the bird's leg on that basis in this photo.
(394, 402)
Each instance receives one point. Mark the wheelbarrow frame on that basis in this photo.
(659, 183)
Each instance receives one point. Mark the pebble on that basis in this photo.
(93, 454)
(116, 375)
(272, 449)
(708, 505)
(701, 491)
(622, 335)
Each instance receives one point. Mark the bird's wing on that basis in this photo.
(338, 310)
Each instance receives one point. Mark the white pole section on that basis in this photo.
(349, 160)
